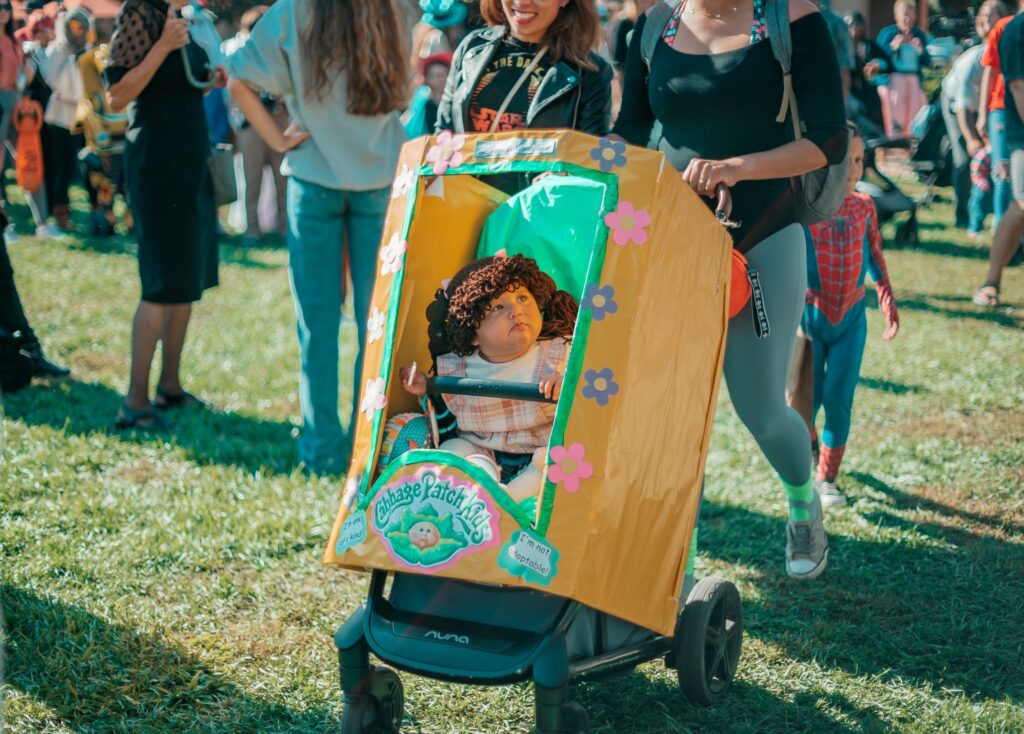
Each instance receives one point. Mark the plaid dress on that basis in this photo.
(513, 426)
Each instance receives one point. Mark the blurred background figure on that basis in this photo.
(12, 68)
(441, 28)
(960, 102)
(863, 104)
(421, 116)
(38, 33)
(905, 45)
(261, 164)
(75, 35)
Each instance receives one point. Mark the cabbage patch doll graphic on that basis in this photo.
(499, 318)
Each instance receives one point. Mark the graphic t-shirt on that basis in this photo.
(509, 62)
(990, 58)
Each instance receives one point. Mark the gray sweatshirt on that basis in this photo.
(346, 151)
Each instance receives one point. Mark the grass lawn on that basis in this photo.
(176, 586)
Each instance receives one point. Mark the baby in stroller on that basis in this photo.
(499, 318)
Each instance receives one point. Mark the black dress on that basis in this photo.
(168, 182)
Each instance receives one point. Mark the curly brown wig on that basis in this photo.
(457, 311)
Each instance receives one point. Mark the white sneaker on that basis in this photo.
(830, 494)
(806, 544)
(10, 233)
(50, 231)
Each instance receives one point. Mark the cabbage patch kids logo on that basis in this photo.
(429, 520)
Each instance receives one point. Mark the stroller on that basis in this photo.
(102, 156)
(930, 158)
(470, 586)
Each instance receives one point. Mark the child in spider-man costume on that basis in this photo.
(840, 252)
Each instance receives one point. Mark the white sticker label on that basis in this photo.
(516, 148)
(353, 532)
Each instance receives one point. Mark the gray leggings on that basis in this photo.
(755, 369)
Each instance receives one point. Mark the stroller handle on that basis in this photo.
(723, 209)
(487, 388)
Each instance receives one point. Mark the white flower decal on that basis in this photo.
(374, 398)
(375, 326)
(404, 183)
(391, 255)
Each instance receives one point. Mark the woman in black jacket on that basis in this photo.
(533, 68)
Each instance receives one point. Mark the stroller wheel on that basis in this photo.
(380, 711)
(708, 639)
(576, 718)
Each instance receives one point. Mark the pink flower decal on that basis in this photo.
(628, 224)
(569, 466)
(445, 153)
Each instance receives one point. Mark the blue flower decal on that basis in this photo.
(609, 153)
(600, 385)
(599, 300)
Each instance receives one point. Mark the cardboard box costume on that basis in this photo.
(651, 266)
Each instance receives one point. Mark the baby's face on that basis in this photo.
(510, 327)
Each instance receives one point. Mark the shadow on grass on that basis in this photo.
(919, 610)
(208, 436)
(902, 500)
(925, 302)
(99, 677)
(896, 388)
(635, 704)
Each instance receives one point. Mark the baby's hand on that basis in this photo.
(551, 387)
(417, 385)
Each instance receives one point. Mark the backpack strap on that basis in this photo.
(658, 17)
(777, 19)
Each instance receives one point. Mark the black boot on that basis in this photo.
(41, 366)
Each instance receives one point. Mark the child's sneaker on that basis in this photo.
(829, 493)
(806, 544)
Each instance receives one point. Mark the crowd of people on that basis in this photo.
(322, 94)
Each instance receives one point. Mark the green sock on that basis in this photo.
(801, 498)
(691, 557)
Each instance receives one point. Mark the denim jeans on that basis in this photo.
(319, 222)
(1001, 193)
(979, 205)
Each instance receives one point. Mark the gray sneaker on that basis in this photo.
(829, 494)
(806, 544)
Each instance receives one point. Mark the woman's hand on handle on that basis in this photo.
(705, 176)
(174, 34)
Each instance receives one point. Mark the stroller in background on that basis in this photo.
(930, 158)
(102, 156)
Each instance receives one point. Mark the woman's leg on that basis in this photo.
(172, 338)
(365, 224)
(1001, 193)
(146, 329)
(315, 216)
(755, 372)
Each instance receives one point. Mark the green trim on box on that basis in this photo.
(398, 279)
(447, 458)
(580, 335)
